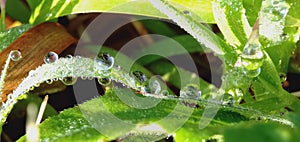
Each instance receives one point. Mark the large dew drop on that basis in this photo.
(50, 57)
(227, 100)
(157, 86)
(69, 80)
(252, 57)
(275, 9)
(104, 61)
(15, 55)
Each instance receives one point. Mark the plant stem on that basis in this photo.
(2, 4)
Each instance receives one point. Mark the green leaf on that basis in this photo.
(198, 31)
(252, 8)
(231, 19)
(260, 132)
(75, 123)
(190, 132)
(186, 41)
(33, 4)
(17, 10)
(48, 10)
(159, 27)
(6, 38)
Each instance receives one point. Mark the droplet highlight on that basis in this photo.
(50, 57)
(15, 55)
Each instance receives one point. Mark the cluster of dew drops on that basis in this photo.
(104, 61)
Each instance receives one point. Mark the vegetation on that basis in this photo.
(221, 76)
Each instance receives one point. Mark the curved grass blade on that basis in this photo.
(48, 10)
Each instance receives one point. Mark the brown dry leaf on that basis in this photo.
(33, 45)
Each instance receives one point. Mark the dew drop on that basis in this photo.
(139, 76)
(69, 56)
(37, 85)
(155, 87)
(227, 99)
(50, 57)
(186, 12)
(49, 81)
(69, 80)
(104, 61)
(165, 92)
(252, 57)
(283, 77)
(31, 88)
(104, 81)
(15, 55)
(190, 92)
(275, 9)
(253, 73)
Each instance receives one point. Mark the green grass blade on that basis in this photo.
(51, 9)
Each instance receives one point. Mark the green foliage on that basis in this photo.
(7, 37)
(51, 9)
(74, 122)
(253, 115)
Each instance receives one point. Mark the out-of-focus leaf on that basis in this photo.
(188, 43)
(33, 3)
(50, 9)
(260, 132)
(17, 10)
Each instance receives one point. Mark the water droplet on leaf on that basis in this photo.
(104, 81)
(190, 92)
(50, 57)
(69, 80)
(49, 81)
(186, 12)
(104, 61)
(283, 77)
(227, 99)
(15, 55)
(252, 57)
(139, 76)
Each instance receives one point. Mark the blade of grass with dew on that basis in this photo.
(198, 31)
(7, 37)
(77, 127)
(231, 19)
